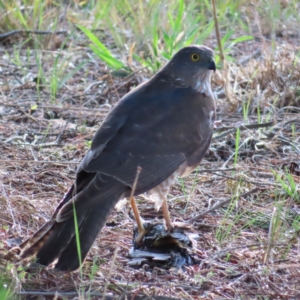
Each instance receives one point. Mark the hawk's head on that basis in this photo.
(192, 66)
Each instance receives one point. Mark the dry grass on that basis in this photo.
(248, 249)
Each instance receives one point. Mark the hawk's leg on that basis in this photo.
(166, 214)
(139, 221)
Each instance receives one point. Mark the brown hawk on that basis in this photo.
(161, 128)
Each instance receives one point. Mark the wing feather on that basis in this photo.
(157, 135)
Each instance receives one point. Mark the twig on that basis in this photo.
(249, 126)
(289, 142)
(5, 35)
(32, 152)
(91, 294)
(249, 181)
(110, 271)
(63, 108)
(35, 146)
(62, 131)
(218, 205)
(217, 31)
(216, 170)
(9, 206)
(56, 293)
(270, 236)
(242, 127)
(281, 110)
(222, 252)
(227, 87)
(11, 161)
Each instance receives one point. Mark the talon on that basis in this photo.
(169, 228)
(141, 233)
(168, 223)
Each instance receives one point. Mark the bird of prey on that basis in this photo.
(156, 132)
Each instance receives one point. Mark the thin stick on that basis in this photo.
(216, 170)
(244, 127)
(227, 86)
(63, 108)
(270, 236)
(218, 205)
(90, 294)
(110, 272)
(11, 161)
(217, 30)
(39, 32)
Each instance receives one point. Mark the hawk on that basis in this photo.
(160, 130)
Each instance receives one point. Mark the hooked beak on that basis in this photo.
(212, 66)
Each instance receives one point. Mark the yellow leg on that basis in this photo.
(138, 219)
(166, 214)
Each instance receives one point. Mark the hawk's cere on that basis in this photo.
(161, 128)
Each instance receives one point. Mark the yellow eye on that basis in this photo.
(195, 56)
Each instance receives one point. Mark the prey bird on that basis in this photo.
(161, 129)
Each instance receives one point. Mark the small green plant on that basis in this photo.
(60, 75)
(246, 106)
(288, 184)
(229, 220)
(6, 281)
(5, 291)
(237, 145)
(275, 229)
(228, 256)
(54, 80)
(94, 268)
(88, 144)
(183, 187)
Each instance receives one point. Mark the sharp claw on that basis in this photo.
(169, 227)
(139, 239)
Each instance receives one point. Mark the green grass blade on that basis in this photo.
(108, 59)
(178, 26)
(77, 238)
(237, 143)
(93, 39)
(242, 39)
(101, 51)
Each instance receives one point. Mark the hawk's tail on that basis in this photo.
(58, 238)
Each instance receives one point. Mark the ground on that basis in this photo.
(243, 200)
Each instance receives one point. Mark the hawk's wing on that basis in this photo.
(157, 134)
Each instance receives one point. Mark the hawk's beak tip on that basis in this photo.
(212, 66)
